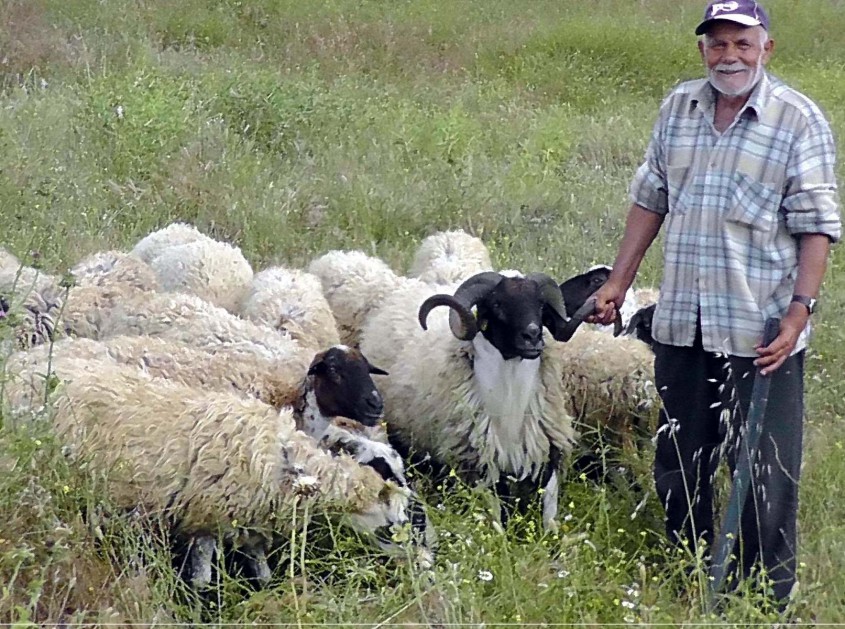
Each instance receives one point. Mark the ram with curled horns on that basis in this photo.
(472, 391)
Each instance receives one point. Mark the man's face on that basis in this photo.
(735, 56)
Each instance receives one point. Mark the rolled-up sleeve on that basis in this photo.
(811, 200)
(648, 187)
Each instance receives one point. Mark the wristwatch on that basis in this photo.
(808, 302)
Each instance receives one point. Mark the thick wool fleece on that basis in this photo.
(190, 320)
(7, 260)
(207, 459)
(354, 284)
(110, 268)
(291, 301)
(609, 384)
(151, 245)
(450, 257)
(50, 310)
(214, 271)
(233, 368)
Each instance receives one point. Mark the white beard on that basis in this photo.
(724, 87)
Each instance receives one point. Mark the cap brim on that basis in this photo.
(745, 20)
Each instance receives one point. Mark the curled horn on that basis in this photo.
(461, 320)
(550, 292)
(475, 287)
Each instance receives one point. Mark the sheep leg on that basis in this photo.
(550, 503)
(200, 555)
(517, 494)
(551, 493)
(255, 563)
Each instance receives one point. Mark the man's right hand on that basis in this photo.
(609, 299)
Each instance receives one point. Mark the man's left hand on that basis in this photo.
(791, 326)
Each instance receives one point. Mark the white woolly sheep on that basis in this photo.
(215, 271)
(291, 301)
(321, 389)
(450, 257)
(476, 392)
(56, 312)
(21, 279)
(173, 438)
(99, 282)
(354, 284)
(29, 298)
(151, 245)
(191, 320)
(335, 382)
(115, 268)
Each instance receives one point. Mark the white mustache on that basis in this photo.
(731, 67)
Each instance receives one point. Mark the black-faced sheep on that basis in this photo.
(578, 288)
(475, 392)
(639, 326)
(609, 383)
(333, 383)
(209, 459)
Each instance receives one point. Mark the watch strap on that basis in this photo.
(808, 302)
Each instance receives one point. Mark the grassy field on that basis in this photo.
(292, 128)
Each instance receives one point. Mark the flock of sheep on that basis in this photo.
(227, 400)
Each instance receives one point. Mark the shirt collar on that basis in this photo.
(705, 97)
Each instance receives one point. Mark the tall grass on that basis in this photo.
(291, 128)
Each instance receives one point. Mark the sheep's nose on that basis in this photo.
(533, 334)
(374, 401)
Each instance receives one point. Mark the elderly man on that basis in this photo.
(740, 168)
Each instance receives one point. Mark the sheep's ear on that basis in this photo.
(315, 368)
(378, 371)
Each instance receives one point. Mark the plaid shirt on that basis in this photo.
(734, 203)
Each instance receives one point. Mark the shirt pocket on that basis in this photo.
(677, 178)
(753, 204)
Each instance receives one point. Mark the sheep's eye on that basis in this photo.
(497, 310)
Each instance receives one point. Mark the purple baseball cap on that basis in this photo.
(745, 12)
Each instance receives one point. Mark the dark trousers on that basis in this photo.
(705, 402)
